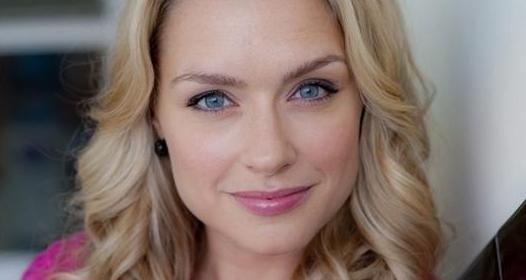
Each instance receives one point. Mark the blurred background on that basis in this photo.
(51, 59)
(474, 53)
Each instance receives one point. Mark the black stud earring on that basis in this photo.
(160, 148)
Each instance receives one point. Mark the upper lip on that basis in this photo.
(273, 194)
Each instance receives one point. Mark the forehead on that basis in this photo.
(239, 32)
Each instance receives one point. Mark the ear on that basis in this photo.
(156, 124)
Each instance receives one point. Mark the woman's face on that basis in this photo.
(257, 96)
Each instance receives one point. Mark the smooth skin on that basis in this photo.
(280, 109)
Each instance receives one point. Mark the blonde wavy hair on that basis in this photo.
(138, 227)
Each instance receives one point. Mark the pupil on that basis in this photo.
(309, 91)
(214, 101)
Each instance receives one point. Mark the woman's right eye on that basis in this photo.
(210, 101)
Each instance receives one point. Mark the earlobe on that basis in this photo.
(160, 148)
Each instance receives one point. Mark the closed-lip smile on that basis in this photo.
(272, 203)
(270, 195)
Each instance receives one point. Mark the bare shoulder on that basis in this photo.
(62, 255)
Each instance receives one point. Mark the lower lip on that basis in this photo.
(275, 206)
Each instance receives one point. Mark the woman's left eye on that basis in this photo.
(315, 91)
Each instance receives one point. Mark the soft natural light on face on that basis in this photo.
(252, 104)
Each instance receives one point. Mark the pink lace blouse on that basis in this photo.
(59, 256)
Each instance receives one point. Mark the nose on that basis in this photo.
(268, 149)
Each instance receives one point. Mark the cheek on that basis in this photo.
(196, 154)
(333, 147)
(330, 146)
(333, 152)
(199, 160)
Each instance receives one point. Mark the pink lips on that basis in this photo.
(271, 203)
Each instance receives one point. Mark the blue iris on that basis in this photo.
(309, 91)
(214, 101)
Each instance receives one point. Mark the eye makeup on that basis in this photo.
(324, 89)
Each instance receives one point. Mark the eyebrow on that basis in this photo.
(230, 81)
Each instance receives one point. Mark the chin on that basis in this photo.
(276, 245)
(275, 250)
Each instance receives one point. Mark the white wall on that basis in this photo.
(51, 34)
(475, 54)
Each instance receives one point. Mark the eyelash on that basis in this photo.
(325, 85)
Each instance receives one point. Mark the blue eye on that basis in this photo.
(215, 101)
(315, 91)
(309, 91)
(209, 101)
